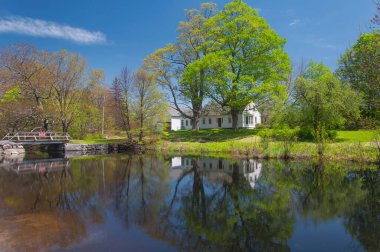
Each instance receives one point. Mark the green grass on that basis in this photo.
(211, 135)
(355, 136)
(349, 145)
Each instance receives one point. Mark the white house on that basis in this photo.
(219, 118)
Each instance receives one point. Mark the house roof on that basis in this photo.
(210, 109)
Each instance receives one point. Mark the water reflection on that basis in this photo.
(220, 170)
(150, 203)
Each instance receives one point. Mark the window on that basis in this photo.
(229, 119)
(209, 121)
(182, 123)
(249, 120)
(255, 119)
(204, 120)
(187, 122)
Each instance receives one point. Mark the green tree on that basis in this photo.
(248, 62)
(323, 102)
(360, 67)
(187, 91)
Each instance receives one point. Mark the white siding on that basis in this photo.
(214, 122)
(179, 123)
(175, 124)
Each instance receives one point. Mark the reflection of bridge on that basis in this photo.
(38, 166)
(250, 168)
(38, 137)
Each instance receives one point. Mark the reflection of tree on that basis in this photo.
(195, 212)
(326, 191)
(227, 216)
(364, 222)
(322, 191)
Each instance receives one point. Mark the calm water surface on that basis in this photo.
(149, 203)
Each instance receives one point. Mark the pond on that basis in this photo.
(155, 203)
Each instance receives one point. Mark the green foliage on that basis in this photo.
(247, 62)
(323, 102)
(359, 67)
(11, 95)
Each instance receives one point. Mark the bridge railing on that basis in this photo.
(47, 136)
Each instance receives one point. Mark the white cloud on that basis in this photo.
(294, 22)
(41, 28)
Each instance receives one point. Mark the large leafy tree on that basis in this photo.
(187, 91)
(360, 67)
(323, 102)
(248, 61)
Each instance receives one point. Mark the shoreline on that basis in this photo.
(351, 152)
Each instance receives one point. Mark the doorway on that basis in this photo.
(220, 122)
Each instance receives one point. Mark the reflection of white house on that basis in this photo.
(219, 118)
(251, 169)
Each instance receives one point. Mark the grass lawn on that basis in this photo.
(222, 135)
(349, 145)
(355, 136)
(211, 135)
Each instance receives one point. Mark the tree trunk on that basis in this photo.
(235, 117)
(141, 126)
(196, 118)
(128, 122)
(46, 125)
(64, 125)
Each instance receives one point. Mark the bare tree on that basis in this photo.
(149, 104)
(121, 90)
(376, 19)
(69, 73)
(25, 67)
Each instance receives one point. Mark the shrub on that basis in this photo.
(262, 126)
(288, 137)
(265, 136)
(305, 134)
(332, 134)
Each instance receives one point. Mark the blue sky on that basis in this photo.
(117, 33)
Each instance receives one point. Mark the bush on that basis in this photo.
(332, 134)
(288, 137)
(305, 134)
(262, 126)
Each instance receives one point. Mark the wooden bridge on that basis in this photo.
(38, 137)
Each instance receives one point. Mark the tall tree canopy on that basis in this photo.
(248, 61)
(360, 67)
(187, 92)
(322, 101)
